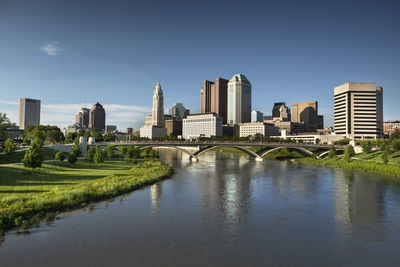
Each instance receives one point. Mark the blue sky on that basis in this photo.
(72, 53)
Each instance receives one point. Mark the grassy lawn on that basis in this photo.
(27, 199)
(18, 181)
(17, 156)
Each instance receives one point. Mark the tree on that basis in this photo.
(110, 151)
(4, 124)
(10, 146)
(76, 149)
(348, 153)
(343, 142)
(396, 145)
(72, 158)
(366, 146)
(133, 152)
(317, 141)
(123, 150)
(393, 136)
(332, 152)
(98, 155)
(59, 156)
(90, 154)
(33, 157)
(385, 156)
(153, 154)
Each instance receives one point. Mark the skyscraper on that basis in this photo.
(306, 112)
(82, 117)
(158, 106)
(239, 100)
(97, 117)
(275, 110)
(257, 116)
(359, 110)
(214, 97)
(178, 111)
(29, 112)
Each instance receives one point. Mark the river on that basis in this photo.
(226, 210)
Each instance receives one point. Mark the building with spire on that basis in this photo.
(157, 126)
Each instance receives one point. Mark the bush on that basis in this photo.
(72, 158)
(153, 154)
(385, 155)
(90, 154)
(59, 156)
(98, 155)
(396, 145)
(343, 142)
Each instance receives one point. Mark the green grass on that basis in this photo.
(26, 199)
(367, 166)
(17, 156)
(376, 156)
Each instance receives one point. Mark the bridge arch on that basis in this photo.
(191, 155)
(247, 151)
(302, 150)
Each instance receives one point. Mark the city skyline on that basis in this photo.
(288, 54)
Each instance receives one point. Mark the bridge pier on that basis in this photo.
(259, 159)
(193, 159)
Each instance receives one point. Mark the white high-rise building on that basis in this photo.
(29, 112)
(239, 100)
(201, 125)
(158, 106)
(359, 110)
(257, 116)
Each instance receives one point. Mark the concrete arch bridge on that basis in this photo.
(307, 150)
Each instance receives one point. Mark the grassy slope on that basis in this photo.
(17, 180)
(376, 156)
(17, 156)
(367, 166)
(72, 186)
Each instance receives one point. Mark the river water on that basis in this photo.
(226, 210)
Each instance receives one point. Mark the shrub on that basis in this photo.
(59, 156)
(133, 152)
(72, 158)
(385, 155)
(343, 142)
(396, 145)
(153, 154)
(90, 154)
(9, 146)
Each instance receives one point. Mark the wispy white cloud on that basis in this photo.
(52, 48)
(8, 102)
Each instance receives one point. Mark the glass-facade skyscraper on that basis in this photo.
(239, 100)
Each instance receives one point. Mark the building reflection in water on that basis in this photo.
(226, 186)
(358, 202)
(155, 192)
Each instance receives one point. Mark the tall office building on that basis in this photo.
(29, 112)
(359, 110)
(82, 117)
(158, 106)
(97, 117)
(239, 100)
(257, 116)
(178, 111)
(306, 112)
(214, 97)
(276, 113)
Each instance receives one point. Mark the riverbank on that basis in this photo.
(392, 170)
(24, 211)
